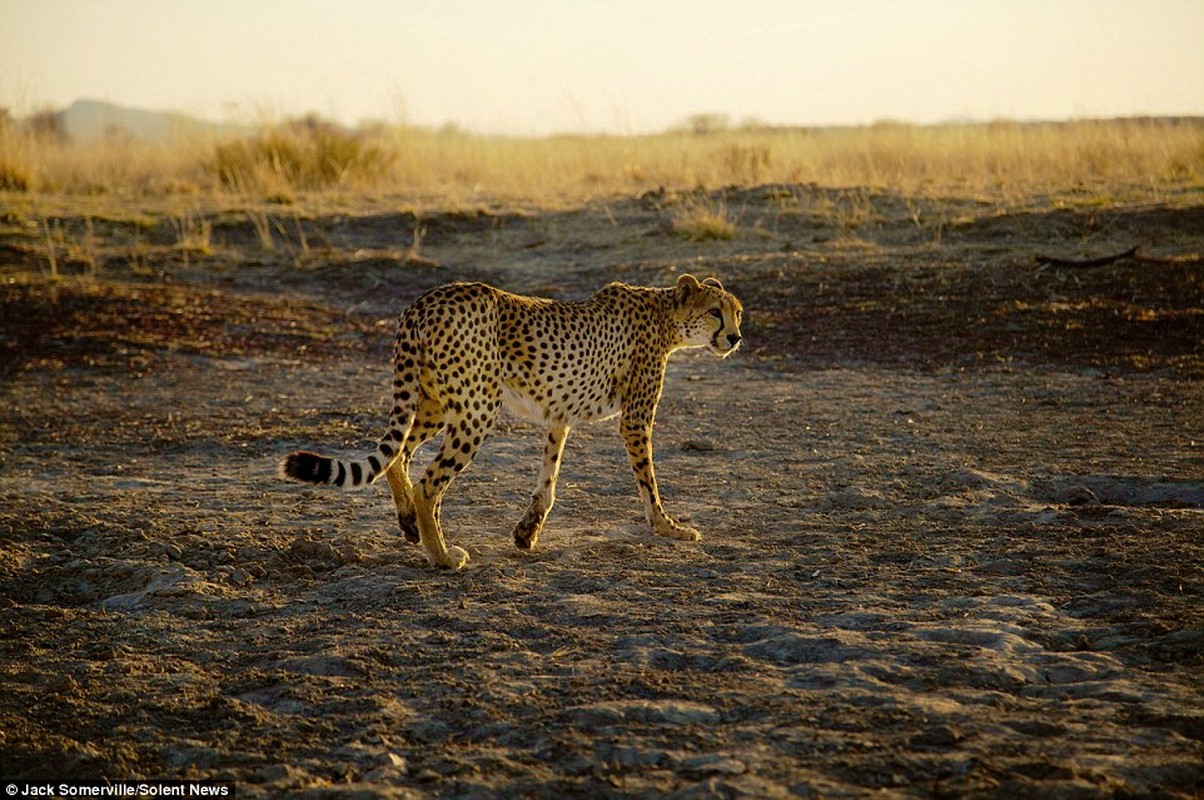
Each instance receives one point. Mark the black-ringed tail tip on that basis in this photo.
(308, 467)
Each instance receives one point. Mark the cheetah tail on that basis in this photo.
(308, 467)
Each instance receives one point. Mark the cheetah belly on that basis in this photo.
(523, 405)
(565, 411)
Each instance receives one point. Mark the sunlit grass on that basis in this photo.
(701, 219)
(1004, 162)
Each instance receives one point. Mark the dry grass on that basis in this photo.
(1010, 163)
(701, 218)
(193, 234)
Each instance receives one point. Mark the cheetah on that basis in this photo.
(463, 350)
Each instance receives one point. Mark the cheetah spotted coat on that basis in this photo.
(466, 349)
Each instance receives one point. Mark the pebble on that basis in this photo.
(713, 764)
(427, 776)
(62, 684)
(937, 736)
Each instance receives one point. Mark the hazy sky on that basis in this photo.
(538, 66)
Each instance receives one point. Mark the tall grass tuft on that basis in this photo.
(701, 219)
(306, 154)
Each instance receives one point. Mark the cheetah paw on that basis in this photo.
(455, 558)
(675, 530)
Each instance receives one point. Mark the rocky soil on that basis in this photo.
(952, 505)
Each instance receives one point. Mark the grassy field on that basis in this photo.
(1003, 163)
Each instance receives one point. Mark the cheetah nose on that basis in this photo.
(733, 339)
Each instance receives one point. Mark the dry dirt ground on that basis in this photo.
(952, 505)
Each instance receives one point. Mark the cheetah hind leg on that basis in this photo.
(526, 532)
(403, 499)
(462, 437)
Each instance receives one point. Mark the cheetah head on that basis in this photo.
(708, 315)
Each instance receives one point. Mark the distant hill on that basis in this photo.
(87, 120)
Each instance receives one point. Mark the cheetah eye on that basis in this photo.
(717, 313)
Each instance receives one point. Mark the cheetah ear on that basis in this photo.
(687, 284)
(713, 281)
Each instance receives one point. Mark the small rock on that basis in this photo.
(392, 761)
(390, 767)
(278, 773)
(938, 736)
(235, 575)
(713, 764)
(1078, 495)
(62, 684)
(427, 776)
(310, 549)
(628, 758)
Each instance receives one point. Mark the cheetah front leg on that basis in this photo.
(528, 528)
(637, 435)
